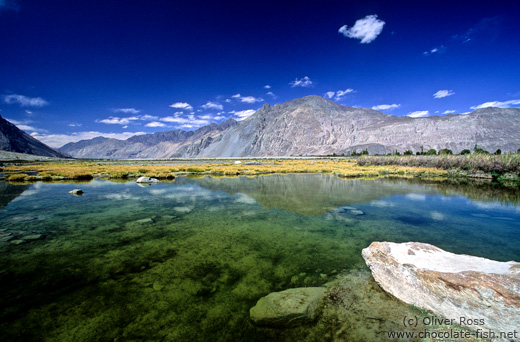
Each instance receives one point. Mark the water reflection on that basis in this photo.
(184, 261)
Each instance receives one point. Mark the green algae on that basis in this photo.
(185, 261)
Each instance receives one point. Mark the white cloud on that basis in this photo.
(213, 105)
(386, 106)
(58, 140)
(126, 110)
(115, 120)
(243, 114)
(23, 125)
(366, 29)
(188, 121)
(330, 94)
(439, 49)
(341, 93)
(25, 101)
(449, 112)
(74, 124)
(148, 117)
(302, 82)
(419, 114)
(270, 93)
(267, 86)
(182, 105)
(499, 104)
(247, 99)
(155, 124)
(443, 93)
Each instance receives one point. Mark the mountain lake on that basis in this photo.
(186, 260)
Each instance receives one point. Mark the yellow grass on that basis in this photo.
(86, 170)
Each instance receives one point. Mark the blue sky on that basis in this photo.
(72, 70)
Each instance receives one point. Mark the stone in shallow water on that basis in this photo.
(76, 192)
(288, 308)
(146, 221)
(33, 237)
(475, 292)
(146, 180)
(356, 212)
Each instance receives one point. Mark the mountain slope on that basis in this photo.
(313, 125)
(13, 139)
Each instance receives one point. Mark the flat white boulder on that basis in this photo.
(474, 292)
(146, 180)
(288, 308)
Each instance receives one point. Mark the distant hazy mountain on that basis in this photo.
(313, 125)
(13, 139)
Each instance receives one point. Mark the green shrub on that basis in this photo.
(431, 151)
(465, 151)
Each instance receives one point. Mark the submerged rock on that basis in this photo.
(76, 192)
(474, 292)
(356, 212)
(149, 220)
(146, 180)
(288, 308)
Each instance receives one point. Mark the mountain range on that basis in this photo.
(313, 125)
(13, 139)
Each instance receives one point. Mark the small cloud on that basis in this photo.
(366, 29)
(148, 117)
(499, 104)
(74, 125)
(188, 121)
(419, 114)
(213, 105)
(247, 99)
(28, 112)
(386, 107)
(126, 110)
(330, 94)
(341, 93)
(181, 105)
(449, 112)
(443, 93)
(23, 125)
(25, 101)
(155, 124)
(243, 114)
(435, 50)
(267, 86)
(270, 93)
(302, 82)
(115, 120)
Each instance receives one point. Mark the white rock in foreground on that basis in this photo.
(288, 308)
(146, 180)
(475, 292)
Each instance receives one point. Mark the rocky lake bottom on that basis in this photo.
(186, 260)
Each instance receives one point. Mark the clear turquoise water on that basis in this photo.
(184, 261)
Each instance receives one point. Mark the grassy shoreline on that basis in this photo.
(83, 170)
(503, 169)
